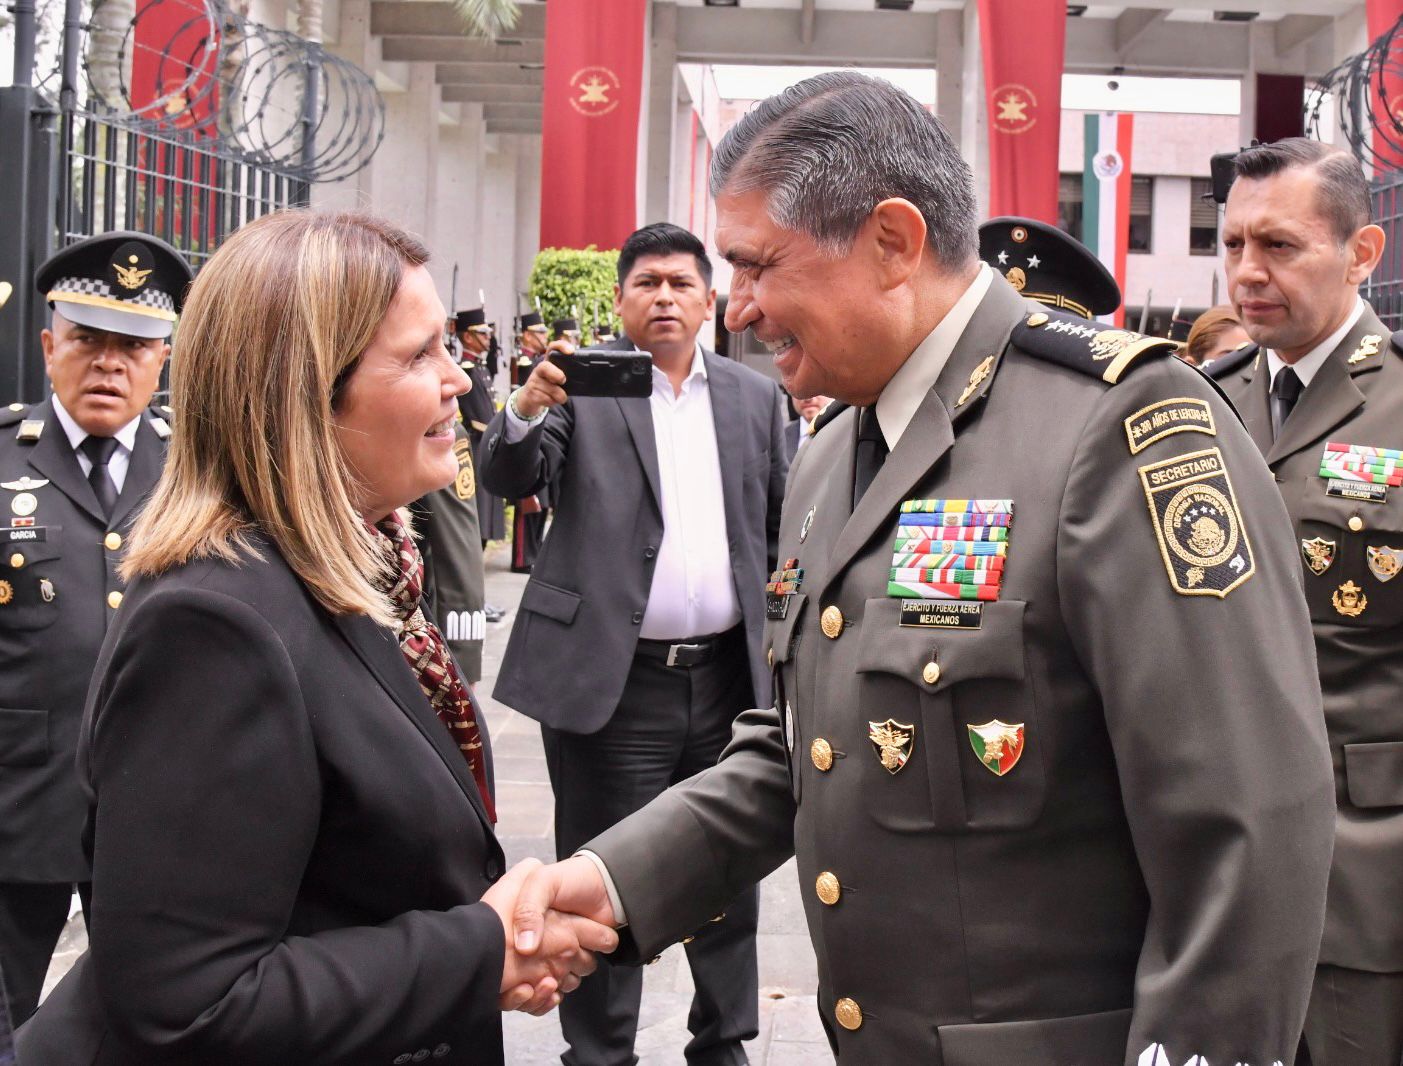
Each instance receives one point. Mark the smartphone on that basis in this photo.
(595, 372)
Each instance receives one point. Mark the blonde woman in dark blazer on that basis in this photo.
(291, 813)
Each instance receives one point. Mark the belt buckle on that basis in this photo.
(675, 648)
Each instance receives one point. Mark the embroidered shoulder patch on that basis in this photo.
(1201, 535)
(1180, 415)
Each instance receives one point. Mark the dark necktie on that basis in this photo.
(1285, 391)
(99, 452)
(871, 452)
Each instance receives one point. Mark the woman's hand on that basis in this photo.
(535, 983)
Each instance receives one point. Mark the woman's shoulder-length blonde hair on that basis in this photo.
(272, 326)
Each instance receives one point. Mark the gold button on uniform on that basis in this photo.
(114, 600)
(1037, 318)
(821, 752)
(930, 673)
(112, 541)
(17, 560)
(1356, 523)
(828, 888)
(831, 622)
(848, 1013)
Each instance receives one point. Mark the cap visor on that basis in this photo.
(114, 321)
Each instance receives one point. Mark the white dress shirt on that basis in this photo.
(1308, 365)
(693, 593)
(902, 396)
(121, 455)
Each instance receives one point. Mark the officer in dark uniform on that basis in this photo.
(529, 514)
(1045, 264)
(1323, 399)
(73, 471)
(566, 329)
(1053, 801)
(477, 406)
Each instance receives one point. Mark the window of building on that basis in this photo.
(1203, 218)
(1142, 199)
(1069, 204)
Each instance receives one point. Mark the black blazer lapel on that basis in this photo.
(54, 458)
(638, 417)
(377, 648)
(729, 420)
(143, 471)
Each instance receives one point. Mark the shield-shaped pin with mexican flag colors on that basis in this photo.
(999, 745)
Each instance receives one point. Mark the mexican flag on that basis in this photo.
(1106, 194)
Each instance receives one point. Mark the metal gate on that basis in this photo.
(239, 127)
(1384, 289)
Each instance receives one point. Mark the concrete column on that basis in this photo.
(974, 119)
(950, 71)
(458, 192)
(405, 164)
(659, 115)
(683, 156)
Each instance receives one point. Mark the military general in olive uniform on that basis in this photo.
(1323, 399)
(73, 471)
(1048, 740)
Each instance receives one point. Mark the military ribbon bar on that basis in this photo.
(931, 590)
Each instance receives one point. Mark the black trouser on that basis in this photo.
(1354, 1019)
(32, 917)
(671, 723)
(528, 530)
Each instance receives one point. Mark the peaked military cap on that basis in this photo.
(561, 326)
(532, 318)
(1047, 265)
(125, 282)
(467, 319)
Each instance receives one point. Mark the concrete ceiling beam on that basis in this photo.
(512, 112)
(491, 94)
(1295, 30)
(1132, 23)
(460, 50)
(495, 74)
(503, 126)
(775, 35)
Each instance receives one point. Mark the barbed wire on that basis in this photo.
(204, 72)
(1364, 95)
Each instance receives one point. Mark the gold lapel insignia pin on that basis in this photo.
(976, 378)
(1367, 346)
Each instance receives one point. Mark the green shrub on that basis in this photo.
(566, 280)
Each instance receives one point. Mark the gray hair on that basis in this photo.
(831, 148)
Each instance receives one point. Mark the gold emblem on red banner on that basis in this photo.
(594, 91)
(1016, 108)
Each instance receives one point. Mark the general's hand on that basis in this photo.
(543, 390)
(537, 983)
(574, 885)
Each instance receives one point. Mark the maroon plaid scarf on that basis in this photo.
(427, 654)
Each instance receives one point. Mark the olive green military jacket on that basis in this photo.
(1349, 539)
(1086, 823)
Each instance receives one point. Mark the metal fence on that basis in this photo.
(181, 190)
(1384, 289)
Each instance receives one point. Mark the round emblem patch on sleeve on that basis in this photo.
(1201, 535)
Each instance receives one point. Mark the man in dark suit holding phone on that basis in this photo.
(638, 638)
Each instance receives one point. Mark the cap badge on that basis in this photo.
(1017, 278)
(892, 739)
(131, 268)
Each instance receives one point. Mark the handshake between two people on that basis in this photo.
(555, 920)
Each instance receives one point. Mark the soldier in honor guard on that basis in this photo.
(478, 406)
(1052, 799)
(532, 340)
(73, 471)
(1045, 264)
(567, 330)
(1321, 392)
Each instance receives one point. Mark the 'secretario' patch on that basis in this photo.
(1181, 415)
(1201, 534)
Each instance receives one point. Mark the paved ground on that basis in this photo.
(790, 1033)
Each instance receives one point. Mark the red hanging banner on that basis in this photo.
(589, 133)
(1387, 87)
(1023, 44)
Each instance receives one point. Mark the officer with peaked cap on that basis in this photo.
(73, 470)
(565, 329)
(1047, 265)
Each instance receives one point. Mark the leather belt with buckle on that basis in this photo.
(683, 653)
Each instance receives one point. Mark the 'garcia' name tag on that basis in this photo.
(1356, 490)
(942, 614)
(14, 535)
